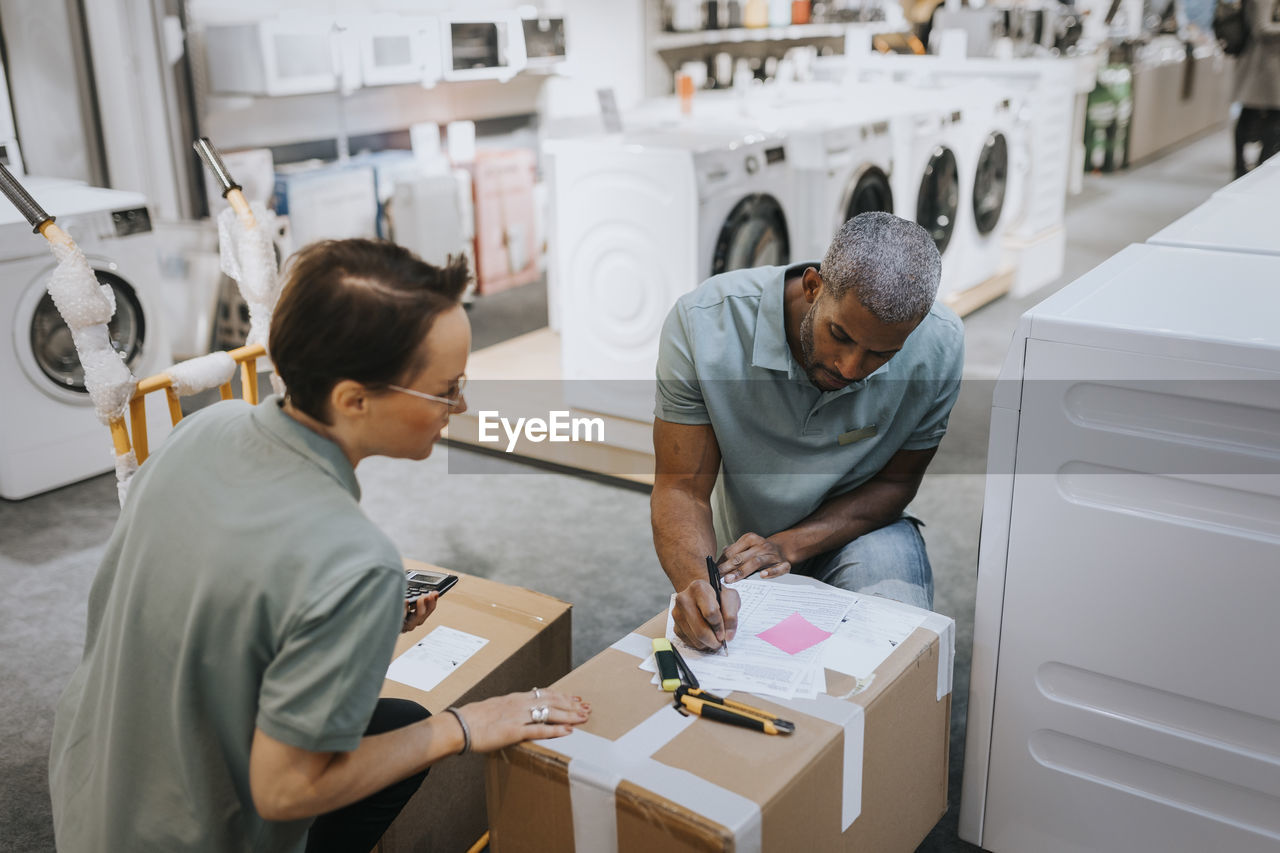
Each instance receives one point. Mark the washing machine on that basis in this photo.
(1238, 222)
(1123, 693)
(1038, 124)
(639, 219)
(1262, 179)
(932, 183)
(49, 433)
(841, 143)
(996, 159)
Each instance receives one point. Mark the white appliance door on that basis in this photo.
(626, 229)
(1137, 702)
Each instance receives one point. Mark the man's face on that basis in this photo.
(842, 341)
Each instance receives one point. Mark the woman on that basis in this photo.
(245, 612)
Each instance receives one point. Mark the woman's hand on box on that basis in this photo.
(506, 720)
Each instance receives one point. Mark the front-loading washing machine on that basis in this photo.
(49, 433)
(840, 144)
(931, 183)
(639, 219)
(996, 156)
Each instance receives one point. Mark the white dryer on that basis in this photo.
(1232, 222)
(1123, 690)
(1263, 179)
(49, 434)
(638, 220)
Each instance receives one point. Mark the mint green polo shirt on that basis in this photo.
(786, 447)
(242, 586)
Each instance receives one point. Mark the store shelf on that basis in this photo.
(663, 42)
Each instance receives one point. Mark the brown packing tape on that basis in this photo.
(796, 780)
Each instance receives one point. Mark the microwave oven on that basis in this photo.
(397, 49)
(286, 55)
(482, 47)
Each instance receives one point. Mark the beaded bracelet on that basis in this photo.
(466, 732)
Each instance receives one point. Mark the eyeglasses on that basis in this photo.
(452, 402)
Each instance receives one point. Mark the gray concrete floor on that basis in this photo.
(581, 540)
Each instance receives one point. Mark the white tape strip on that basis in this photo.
(597, 765)
(850, 717)
(595, 815)
(635, 644)
(945, 628)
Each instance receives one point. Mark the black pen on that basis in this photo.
(714, 575)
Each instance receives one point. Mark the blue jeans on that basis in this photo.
(889, 562)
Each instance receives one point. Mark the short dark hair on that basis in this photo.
(891, 264)
(356, 309)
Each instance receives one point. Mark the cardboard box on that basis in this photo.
(529, 646)
(865, 770)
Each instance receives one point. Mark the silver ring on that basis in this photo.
(537, 693)
(540, 713)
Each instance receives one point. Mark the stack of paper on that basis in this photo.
(789, 634)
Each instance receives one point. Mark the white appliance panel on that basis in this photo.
(1123, 690)
(1239, 222)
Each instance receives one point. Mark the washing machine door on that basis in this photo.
(990, 182)
(54, 351)
(753, 235)
(939, 197)
(870, 193)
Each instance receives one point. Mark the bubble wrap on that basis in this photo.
(126, 467)
(249, 257)
(106, 376)
(197, 374)
(79, 297)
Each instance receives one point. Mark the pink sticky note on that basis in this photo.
(794, 634)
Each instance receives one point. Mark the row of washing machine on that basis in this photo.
(642, 216)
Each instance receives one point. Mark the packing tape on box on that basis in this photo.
(945, 628)
(850, 717)
(597, 765)
(847, 715)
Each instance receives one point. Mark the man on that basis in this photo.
(797, 411)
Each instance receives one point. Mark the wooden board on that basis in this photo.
(967, 301)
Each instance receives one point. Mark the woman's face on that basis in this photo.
(409, 426)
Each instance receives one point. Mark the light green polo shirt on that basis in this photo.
(243, 586)
(786, 446)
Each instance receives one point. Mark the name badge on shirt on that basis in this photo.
(855, 435)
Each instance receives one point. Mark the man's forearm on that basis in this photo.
(682, 534)
(844, 518)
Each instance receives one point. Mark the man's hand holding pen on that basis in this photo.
(699, 621)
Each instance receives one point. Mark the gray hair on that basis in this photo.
(891, 265)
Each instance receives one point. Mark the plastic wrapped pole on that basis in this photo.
(86, 306)
(247, 253)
